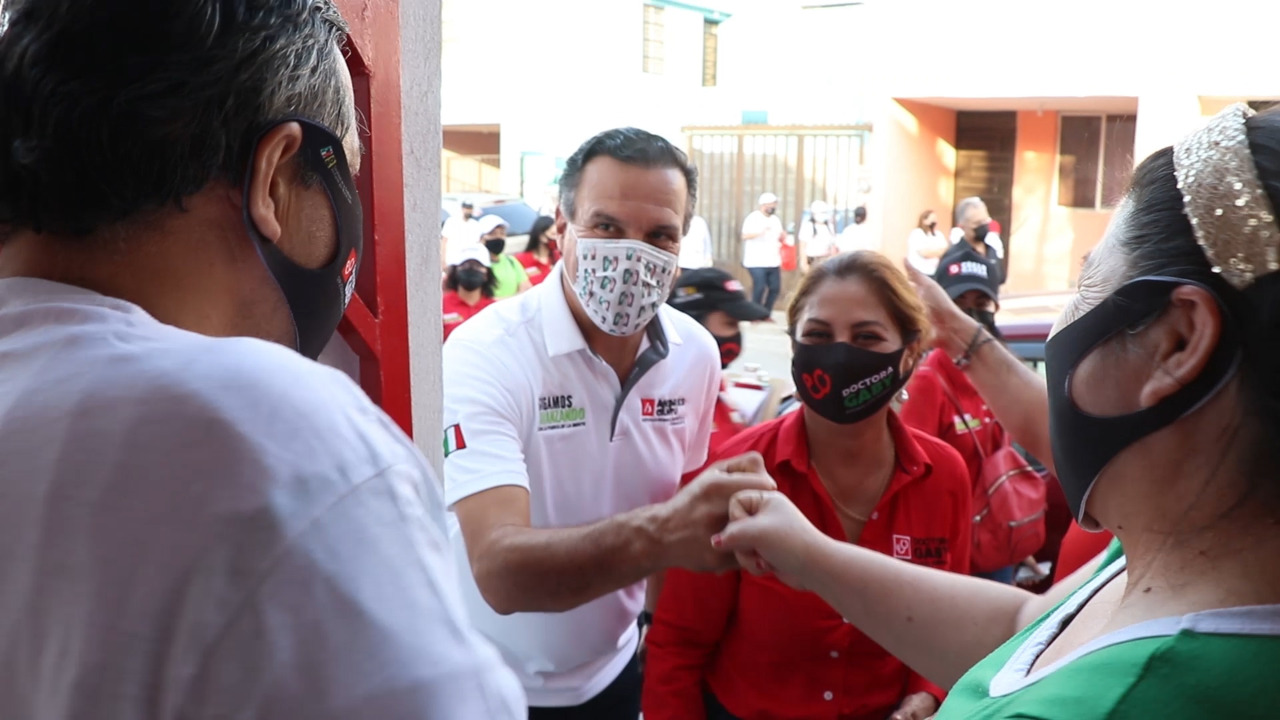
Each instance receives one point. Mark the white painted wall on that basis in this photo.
(420, 43)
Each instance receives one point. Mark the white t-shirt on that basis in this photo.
(457, 234)
(195, 528)
(527, 403)
(918, 242)
(816, 239)
(761, 250)
(695, 249)
(992, 239)
(855, 237)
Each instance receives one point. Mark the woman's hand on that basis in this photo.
(918, 706)
(954, 329)
(768, 534)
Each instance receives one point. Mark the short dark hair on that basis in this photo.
(109, 108)
(633, 147)
(451, 281)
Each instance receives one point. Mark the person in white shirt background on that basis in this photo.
(926, 244)
(571, 412)
(459, 231)
(973, 223)
(696, 250)
(762, 240)
(855, 235)
(198, 521)
(817, 235)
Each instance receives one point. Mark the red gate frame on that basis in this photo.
(376, 324)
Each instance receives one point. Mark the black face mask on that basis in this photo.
(470, 278)
(770, 211)
(1083, 444)
(317, 297)
(730, 348)
(844, 383)
(932, 226)
(980, 233)
(495, 245)
(988, 320)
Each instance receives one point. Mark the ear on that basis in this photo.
(1184, 339)
(271, 176)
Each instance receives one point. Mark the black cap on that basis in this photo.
(707, 289)
(468, 204)
(962, 269)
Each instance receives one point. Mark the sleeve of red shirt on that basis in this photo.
(693, 612)
(948, 464)
(926, 408)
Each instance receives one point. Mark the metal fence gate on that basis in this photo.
(798, 164)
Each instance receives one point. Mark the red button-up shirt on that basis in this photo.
(535, 270)
(766, 651)
(929, 410)
(456, 311)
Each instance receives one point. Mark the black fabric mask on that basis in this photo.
(730, 348)
(988, 320)
(845, 383)
(932, 225)
(770, 211)
(318, 297)
(495, 245)
(1084, 444)
(471, 278)
(980, 233)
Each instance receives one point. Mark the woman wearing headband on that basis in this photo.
(1163, 412)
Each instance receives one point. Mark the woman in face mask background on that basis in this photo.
(468, 287)
(509, 274)
(926, 244)
(542, 252)
(1162, 406)
(759, 648)
(940, 399)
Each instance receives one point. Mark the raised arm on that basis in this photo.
(1015, 393)
(937, 622)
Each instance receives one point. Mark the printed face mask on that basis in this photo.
(1083, 444)
(845, 383)
(622, 283)
(730, 348)
(317, 297)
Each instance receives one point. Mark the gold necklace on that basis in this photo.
(841, 507)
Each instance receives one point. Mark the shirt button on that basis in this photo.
(875, 515)
(835, 654)
(827, 695)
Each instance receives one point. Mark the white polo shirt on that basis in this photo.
(527, 403)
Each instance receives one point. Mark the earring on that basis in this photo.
(903, 396)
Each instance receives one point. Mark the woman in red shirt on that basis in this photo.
(468, 287)
(541, 254)
(737, 645)
(717, 300)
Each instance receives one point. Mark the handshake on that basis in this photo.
(731, 516)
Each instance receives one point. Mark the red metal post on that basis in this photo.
(376, 325)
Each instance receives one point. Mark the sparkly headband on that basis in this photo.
(1230, 213)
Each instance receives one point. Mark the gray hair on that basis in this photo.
(965, 205)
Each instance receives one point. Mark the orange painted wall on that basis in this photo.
(1046, 241)
(920, 157)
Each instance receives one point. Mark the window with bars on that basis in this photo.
(653, 39)
(710, 56)
(1095, 159)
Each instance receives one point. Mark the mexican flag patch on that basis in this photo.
(453, 440)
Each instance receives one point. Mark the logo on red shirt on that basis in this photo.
(902, 547)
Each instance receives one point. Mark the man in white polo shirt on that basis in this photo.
(571, 412)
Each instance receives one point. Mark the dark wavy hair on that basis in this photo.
(110, 108)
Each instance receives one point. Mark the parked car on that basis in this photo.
(518, 214)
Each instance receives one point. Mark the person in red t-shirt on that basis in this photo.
(737, 645)
(542, 252)
(468, 287)
(718, 301)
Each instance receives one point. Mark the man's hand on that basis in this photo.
(954, 328)
(768, 534)
(918, 706)
(701, 509)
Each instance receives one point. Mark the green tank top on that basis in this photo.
(508, 274)
(1213, 664)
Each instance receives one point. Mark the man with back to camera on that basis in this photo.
(572, 411)
(196, 523)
